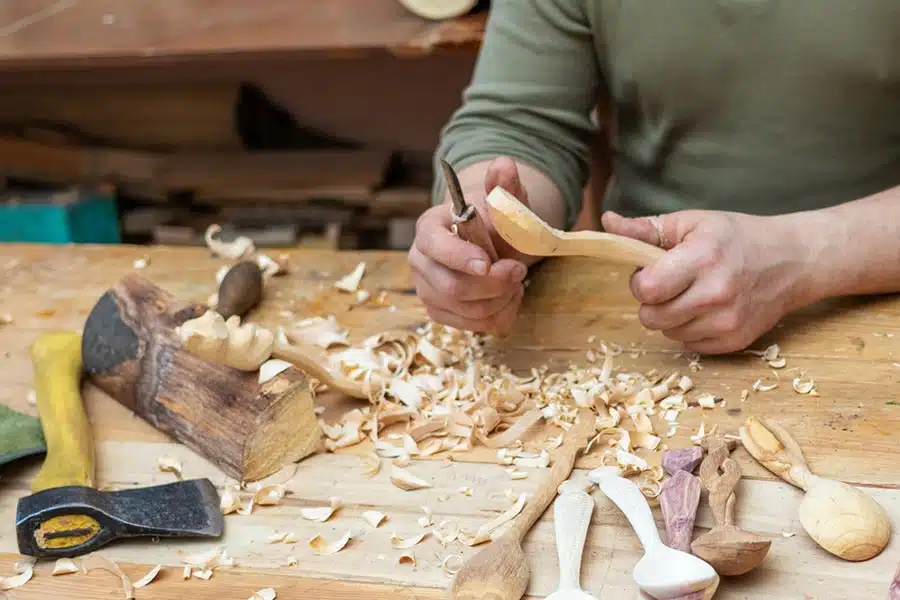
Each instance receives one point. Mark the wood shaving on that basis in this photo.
(483, 534)
(204, 574)
(778, 363)
(31, 398)
(399, 542)
(759, 386)
(446, 532)
(271, 267)
(371, 464)
(517, 475)
(149, 577)
(207, 561)
(64, 566)
(269, 495)
(320, 546)
(141, 263)
(427, 520)
(406, 481)
(707, 400)
(271, 368)
(538, 461)
(169, 464)
(264, 594)
(25, 573)
(236, 249)
(465, 491)
(186, 573)
(323, 332)
(95, 561)
(804, 385)
(744, 395)
(788, 534)
(6, 319)
(407, 558)
(350, 282)
(452, 563)
(374, 518)
(323, 513)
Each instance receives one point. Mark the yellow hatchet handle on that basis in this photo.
(57, 380)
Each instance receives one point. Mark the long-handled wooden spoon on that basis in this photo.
(729, 549)
(500, 571)
(529, 234)
(840, 518)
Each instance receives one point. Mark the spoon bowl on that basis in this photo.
(570, 595)
(662, 572)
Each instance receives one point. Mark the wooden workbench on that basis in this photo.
(848, 432)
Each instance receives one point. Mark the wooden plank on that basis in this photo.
(44, 33)
(848, 432)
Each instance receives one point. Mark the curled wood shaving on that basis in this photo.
(407, 558)
(707, 400)
(186, 573)
(149, 577)
(16, 581)
(320, 546)
(209, 560)
(778, 363)
(322, 514)
(405, 480)
(804, 385)
(264, 594)
(141, 263)
(95, 561)
(64, 566)
(371, 464)
(323, 332)
(350, 282)
(428, 519)
(169, 464)
(374, 518)
(271, 267)
(269, 495)
(204, 574)
(483, 534)
(399, 542)
(271, 368)
(446, 532)
(452, 563)
(759, 386)
(517, 475)
(539, 461)
(238, 248)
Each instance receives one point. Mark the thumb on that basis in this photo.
(503, 172)
(662, 230)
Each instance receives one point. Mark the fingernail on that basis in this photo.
(478, 266)
(518, 273)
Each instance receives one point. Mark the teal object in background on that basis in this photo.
(84, 219)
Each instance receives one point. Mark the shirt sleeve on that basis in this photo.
(534, 85)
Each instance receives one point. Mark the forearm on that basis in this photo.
(853, 248)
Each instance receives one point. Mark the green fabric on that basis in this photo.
(757, 106)
(20, 435)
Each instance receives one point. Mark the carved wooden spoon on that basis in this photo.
(500, 571)
(529, 234)
(662, 572)
(729, 549)
(841, 518)
(571, 519)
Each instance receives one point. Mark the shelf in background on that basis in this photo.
(50, 34)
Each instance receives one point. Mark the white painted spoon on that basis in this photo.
(662, 572)
(571, 517)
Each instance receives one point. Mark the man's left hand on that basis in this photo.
(725, 280)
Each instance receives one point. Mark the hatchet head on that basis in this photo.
(73, 520)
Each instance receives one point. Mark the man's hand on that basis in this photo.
(726, 279)
(454, 278)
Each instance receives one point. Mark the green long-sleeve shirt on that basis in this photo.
(757, 106)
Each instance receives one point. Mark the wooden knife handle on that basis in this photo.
(57, 380)
(475, 231)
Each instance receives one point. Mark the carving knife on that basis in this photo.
(467, 223)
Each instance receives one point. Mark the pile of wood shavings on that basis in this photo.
(436, 382)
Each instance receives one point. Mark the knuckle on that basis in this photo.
(723, 291)
(451, 287)
(647, 290)
(731, 321)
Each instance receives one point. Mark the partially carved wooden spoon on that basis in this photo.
(729, 549)
(529, 234)
(840, 518)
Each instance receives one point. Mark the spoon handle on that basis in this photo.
(628, 497)
(775, 449)
(572, 517)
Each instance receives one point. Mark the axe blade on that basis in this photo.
(73, 520)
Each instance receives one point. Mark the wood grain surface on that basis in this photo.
(848, 432)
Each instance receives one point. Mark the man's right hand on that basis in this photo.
(454, 278)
